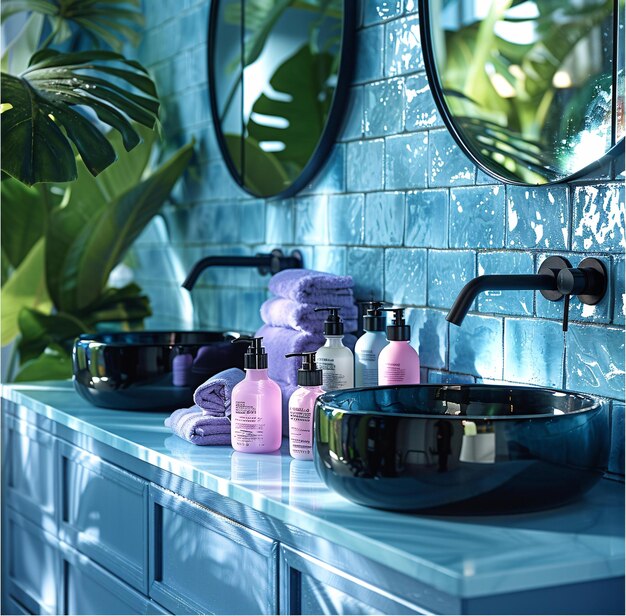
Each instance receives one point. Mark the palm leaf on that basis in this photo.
(42, 100)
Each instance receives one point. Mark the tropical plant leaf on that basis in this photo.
(54, 364)
(39, 330)
(304, 100)
(20, 50)
(113, 22)
(263, 173)
(25, 287)
(24, 214)
(124, 305)
(84, 245)
(43, 100)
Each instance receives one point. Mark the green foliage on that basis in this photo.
(38, 103)
(59, 288)
(113, 22)
(263, 174)
(304, 100)
(62, 237)
(518, 132)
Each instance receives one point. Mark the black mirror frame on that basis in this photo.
(335, 114)
(430, 64)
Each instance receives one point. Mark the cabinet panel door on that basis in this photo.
(104, 514)
(89, 589)
(310, 586)
(33, 565)
(30, 455)
(206, 563)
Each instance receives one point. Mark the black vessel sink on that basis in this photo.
(149, 371)
(461, 449)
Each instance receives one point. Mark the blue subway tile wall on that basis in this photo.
(400, 208)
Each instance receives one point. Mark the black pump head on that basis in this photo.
(256, 356)
(309, 375)
(398, 330)
(333, 325)
(373, 319)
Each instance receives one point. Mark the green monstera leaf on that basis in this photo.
(305, 95)
(111, 21)
(41, 101)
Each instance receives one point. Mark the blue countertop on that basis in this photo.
(464, 556)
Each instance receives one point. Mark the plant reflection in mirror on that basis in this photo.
(273, 125)
(527, 82)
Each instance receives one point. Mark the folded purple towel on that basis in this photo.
(194, 426)
(278, 341)
(213, 396)
(311, 287)
(282, 312)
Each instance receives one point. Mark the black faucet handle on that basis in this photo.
(588, 281)
(566, 312)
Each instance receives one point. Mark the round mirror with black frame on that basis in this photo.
(279, 74)
(531, 90)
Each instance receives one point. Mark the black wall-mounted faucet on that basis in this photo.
(556, 279)
(267, 263)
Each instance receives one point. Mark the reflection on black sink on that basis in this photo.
(149, 371)
(462, 449)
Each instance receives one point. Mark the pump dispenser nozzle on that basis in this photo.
(333, 325)
(309, 375)
(398, 330)
(374, 319)
(256, 356)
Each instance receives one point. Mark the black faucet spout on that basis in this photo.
(267, 263)
(497, 282)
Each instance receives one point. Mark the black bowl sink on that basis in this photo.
(460, 449)
(149, 371)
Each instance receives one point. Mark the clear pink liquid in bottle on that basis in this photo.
(256, 406)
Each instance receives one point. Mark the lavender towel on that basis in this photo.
(194, 426)
(282, 312)
(213, 396)
(280, 340)
(311, 287)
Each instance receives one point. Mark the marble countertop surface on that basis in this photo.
(464, 556)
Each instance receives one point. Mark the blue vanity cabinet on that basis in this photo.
(104, 514)
(32, 567)
(29, 461)
(203, 562)
(310, 586)
(89, 589)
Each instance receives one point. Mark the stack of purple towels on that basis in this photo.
(207, 422)
(293, 326)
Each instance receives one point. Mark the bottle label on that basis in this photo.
(368, 366)
(300, 430)
(330, 377)
(394, 374)
(248, 430)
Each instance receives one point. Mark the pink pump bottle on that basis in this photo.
(398, 362)
(256, 405)
(302, 407)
